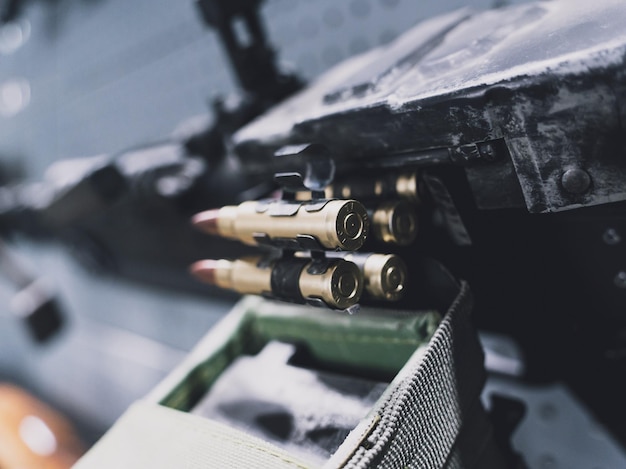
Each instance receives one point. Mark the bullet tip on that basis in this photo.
(207, 221)
(204, 270)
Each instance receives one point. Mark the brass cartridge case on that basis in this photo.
(335, 224)
(395, 222)
(338, 283)
(385, 275)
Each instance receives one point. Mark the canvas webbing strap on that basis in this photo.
(475, 446)
(419, 423)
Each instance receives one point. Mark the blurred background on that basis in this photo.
(87, 77)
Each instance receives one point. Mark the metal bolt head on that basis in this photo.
(576, 181)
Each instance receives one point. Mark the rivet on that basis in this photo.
(576, 181)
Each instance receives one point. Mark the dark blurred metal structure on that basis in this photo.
(506, 124)
(506, 114)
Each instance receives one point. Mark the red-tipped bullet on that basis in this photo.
(207, 221)
(204, 270)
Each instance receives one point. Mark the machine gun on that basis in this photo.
(513, 121)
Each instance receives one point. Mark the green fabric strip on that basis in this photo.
(372, 341)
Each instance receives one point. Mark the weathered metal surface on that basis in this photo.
(546, 79)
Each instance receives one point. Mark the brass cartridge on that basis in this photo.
(385, 275)
(407, 187)
(404, 186)
(335, 224)
(395, 222)
(336, 282)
